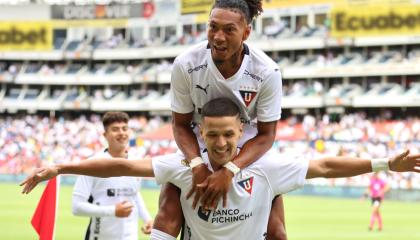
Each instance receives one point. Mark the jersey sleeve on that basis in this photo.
(81, 206)
(169, 168)
(142, 210)
(83, 187)
(269, 100)
(286, 174)
(180, 91)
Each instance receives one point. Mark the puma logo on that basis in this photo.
(201, 88)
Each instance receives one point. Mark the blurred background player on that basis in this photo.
(377, 189)
(114, 204)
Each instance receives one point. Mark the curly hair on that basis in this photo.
(251, 9)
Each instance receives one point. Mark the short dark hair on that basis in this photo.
(220, 107)
(113, 117)
(249, 8)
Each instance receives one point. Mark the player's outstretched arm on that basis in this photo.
(335, 167)
(98, 167)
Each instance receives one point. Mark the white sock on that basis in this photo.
(159, 235)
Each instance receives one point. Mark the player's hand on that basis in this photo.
(215, 187)
(405, 162)
(38, 175)
(200, 173)
(123, 209)
(147, 227)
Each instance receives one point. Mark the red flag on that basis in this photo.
(43, 219)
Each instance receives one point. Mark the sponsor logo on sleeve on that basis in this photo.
(253, 76)
(97, 225)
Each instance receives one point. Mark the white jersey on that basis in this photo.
(256, 87)
(249, 199)
(97, 197)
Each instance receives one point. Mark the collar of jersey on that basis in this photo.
(216, 71)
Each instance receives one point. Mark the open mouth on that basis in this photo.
(219, 49)
(221, 152)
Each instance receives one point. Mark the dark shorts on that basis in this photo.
(376, 199)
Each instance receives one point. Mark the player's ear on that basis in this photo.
(247, 32)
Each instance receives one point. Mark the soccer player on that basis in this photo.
(223, 66)
(377, 189)
(253, 188)
(113, 204)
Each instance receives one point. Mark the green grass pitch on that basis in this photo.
(307, 218)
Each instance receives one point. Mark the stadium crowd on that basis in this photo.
(32, 140)
(356, 135)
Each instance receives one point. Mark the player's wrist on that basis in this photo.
(58, 169)
(227, 172)
(200, 169)
(380, 164)
(195, 162)
(66, 168)
(232, 168)
(111, 211)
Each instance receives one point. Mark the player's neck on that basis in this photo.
(229, 67)
(117, 153)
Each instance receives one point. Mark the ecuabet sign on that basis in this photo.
(196, 6)
(375, 21)
(25, 36)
